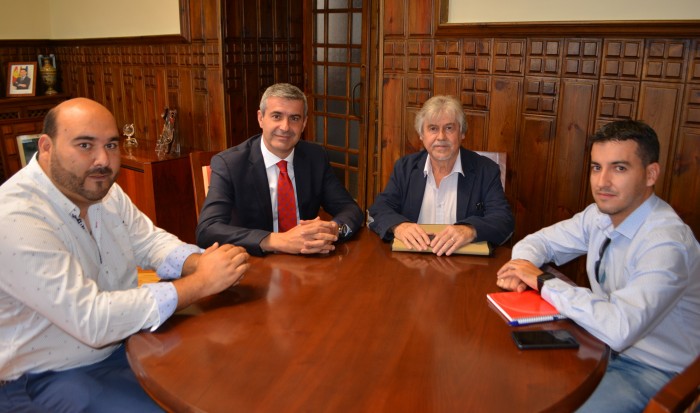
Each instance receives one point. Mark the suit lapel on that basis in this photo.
(256, 170)
(464, 186)
(414, 198)
(302, 173)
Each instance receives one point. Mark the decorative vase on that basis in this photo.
(130, 143)
(48, 75)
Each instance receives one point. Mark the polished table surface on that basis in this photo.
(363, 329)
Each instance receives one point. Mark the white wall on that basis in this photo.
(26, 19)
(80, 19)
(479, 11)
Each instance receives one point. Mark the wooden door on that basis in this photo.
(336, 59)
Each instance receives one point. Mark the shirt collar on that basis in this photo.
(54, 194)
(271, 159)
(632, 223)
(457, 167)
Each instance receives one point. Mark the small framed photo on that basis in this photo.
(21, 79)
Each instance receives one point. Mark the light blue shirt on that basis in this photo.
(648, 306)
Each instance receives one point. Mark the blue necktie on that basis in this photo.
(601, 277)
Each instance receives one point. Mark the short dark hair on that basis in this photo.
(640, 132)
(50, 127)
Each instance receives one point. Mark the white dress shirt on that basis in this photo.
(648, 306)
(440, 203)
(273, 172)
(68, 293)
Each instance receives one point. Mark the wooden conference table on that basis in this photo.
(363, 329)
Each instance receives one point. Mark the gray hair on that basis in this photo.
(284, 91)
(438, 105)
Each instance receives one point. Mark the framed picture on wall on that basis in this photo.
(21, 79)
(28, 146)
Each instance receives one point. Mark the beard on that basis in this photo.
(76, 184)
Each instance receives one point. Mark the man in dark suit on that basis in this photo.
(23, 81)
(247, 181)
(444, 184)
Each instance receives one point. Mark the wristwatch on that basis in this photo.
(344, 231)
(542, 278)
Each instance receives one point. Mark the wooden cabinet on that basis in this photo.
(21, 116)
(161, 187)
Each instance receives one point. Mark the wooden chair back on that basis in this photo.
(681, 394)
(201, 174)
(500, 159)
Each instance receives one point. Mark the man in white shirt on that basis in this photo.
(70, 244)
(643, 266)
(444, 184)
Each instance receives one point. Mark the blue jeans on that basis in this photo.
(107, 386)
(627, 386)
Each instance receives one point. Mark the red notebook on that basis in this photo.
(524, 308)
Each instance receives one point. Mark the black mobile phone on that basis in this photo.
(526, 340)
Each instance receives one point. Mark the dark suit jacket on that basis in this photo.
(238, 209)
(480, 198)
(23, 83)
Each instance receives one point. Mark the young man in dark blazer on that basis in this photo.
(241, 207)
(443, 184)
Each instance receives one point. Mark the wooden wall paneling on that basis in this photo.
(133, 107)
(394, 21)
(392, 125)
(446, 84)
(211, 19)
(503, 125)
(217, 118)
(411, 141)
(296, 62)
(582, 58)
(622, 59)
(181, 95)
(447, 56)
(196, 16)
(540, 95)
(420, 55)
(136, 78)
(504, 113)
(263, 45)
(694, 59)
(112, 95)
(418, 90)
(418, 21)
(617, 100)
(532, 174)
(475, 139)
(659, 106)
(508, 57)
(474, 94)
(544, 57)
(665, 60)
(156, 96)
(476, 55)
(200, 101)
(575, 122)
(684, 187)
(684, 193)
(95, 81)
(394, 55)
